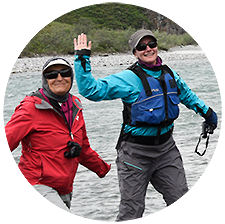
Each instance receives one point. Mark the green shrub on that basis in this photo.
(165, 42)
(57, 38)
(106, 40)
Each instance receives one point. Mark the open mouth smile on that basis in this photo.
(151, 54)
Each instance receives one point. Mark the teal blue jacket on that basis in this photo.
(127, 86)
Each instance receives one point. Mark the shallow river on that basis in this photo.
(96, 198)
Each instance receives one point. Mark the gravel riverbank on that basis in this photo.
(176, 53)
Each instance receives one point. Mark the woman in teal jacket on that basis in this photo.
(146, 149)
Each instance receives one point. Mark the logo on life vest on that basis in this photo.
(155, 90)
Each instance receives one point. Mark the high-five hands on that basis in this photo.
(81, 43)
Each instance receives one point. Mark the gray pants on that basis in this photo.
(140, 164)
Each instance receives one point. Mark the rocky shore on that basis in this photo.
(176, 53)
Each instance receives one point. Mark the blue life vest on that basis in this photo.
(157, 104)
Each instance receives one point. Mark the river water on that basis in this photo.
(96, 198)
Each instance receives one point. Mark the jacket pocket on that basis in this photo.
(31, 166)
(173, 108)
(150, 111)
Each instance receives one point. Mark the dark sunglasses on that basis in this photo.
(142, 47)
(54, 74)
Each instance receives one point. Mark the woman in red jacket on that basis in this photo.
(49, 123)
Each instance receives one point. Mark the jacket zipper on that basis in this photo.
(64, 117)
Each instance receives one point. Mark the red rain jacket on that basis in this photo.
(44, 136)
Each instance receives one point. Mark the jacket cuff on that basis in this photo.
(208, 113)
(80, 54)
(107, 168)
(83, 52)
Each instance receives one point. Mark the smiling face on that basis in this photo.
(149, 55)
(60, 85)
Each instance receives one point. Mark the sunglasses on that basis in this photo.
(54, 74)
(142, 47)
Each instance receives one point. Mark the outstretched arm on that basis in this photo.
(120, 85)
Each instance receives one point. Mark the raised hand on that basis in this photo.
(81, 43)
